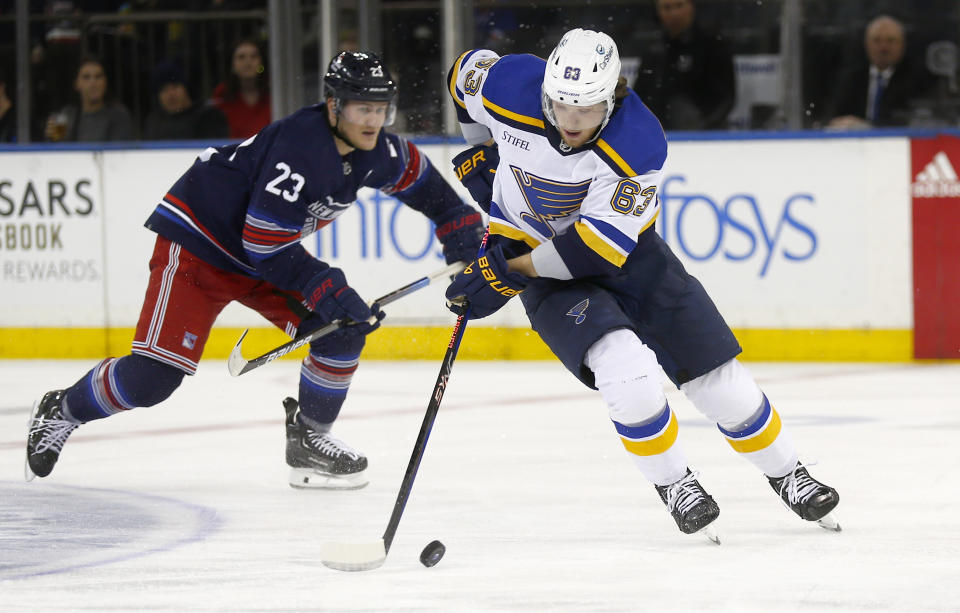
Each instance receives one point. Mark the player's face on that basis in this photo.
(361, 122)
(577, 124)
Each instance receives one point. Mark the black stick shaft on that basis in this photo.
(417, 456)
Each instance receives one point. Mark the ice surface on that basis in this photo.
(185, 506)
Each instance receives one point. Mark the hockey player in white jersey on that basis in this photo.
(567, 162)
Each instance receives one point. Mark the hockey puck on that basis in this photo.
(432, 553)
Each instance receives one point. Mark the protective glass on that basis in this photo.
(572, 117)
(369, 113)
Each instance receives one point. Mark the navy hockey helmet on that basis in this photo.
(356, 75)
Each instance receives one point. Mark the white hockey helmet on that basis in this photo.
(582, 70)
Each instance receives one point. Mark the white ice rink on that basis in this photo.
(185, 506)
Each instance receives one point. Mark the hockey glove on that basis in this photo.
(348, 340)
(460, 231)
(485, 284)
(329, 296)
(476, 168)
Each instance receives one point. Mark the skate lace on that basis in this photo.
(330, 446)
(798, 485)
(55, 433)
(684, 494)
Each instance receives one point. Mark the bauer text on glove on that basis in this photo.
(486, 284)
(329, 296)
(476, 168)
(460, 230)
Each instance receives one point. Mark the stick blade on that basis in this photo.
(353, 556)
(236, 363)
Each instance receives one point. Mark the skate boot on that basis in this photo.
(807, 497)
(47, 431)
(317, 460)
(691, 506)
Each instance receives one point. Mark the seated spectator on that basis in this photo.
(687, 78)
(96, 117)
(245, 96)
(876, 90)
(8, 114)
(177, 117)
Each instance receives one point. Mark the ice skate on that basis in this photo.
(807, 497)
(47, 431)
(318, 460)
(692, 508)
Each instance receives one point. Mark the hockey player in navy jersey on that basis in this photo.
(568, 161)
(230, 229)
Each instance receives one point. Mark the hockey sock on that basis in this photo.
(120, 384)
(763, 441)
(652, 447)
(324, 381)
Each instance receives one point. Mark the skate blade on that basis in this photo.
(710, 532)
(353, 557)
(306, 479)
(829, 522)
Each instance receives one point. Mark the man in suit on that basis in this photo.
(878, 93)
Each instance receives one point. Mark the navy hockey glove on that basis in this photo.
(460, 231)
(348, 340)
(329, 296)
(485, 284)
(476, 168)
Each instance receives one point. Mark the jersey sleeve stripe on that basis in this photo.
(517, 120)
(612, 158)
(416, 165)
(612, 233)
(592, 239)
(512, 232)
(455, 93)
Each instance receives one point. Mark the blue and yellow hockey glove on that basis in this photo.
(476, 168)
(485, 284)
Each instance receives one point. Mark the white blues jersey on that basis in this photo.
(580, 210)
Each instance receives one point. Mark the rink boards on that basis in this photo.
(805, 245)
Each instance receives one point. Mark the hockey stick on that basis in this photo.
(367, 556)
(371, 555)
(238, 365)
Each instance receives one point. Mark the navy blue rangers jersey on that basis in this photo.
(246, 207)
(580, 210)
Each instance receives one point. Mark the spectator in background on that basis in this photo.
(687, 78)
(8, 114)
(245, 96)
(95, 117)
(876, 90)
(177, 116)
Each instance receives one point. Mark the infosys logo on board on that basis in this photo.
(938, 179)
